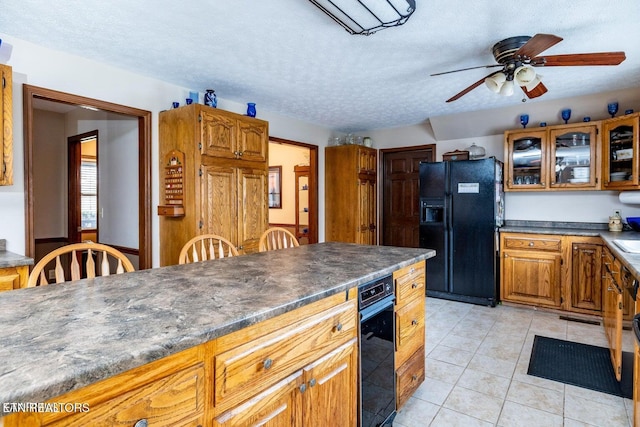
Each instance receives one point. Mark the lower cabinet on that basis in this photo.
(585, 292)
(636, 387)
(531, 269)
(319, 394)
(612, 298)
(13, 277)
(410, 315)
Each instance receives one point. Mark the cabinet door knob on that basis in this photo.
(141, 423)
(414, 377)
(240, 153)
(412, 270)
(303, 388)
(414, 322)
(338, 327)
(414, 285)
(267, 363)
(312, 382)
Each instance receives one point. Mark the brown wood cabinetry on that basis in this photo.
(636, 382)
(351, 194)
(562, 157)
(410, 315)
(224, 177)
(621, 159)
(531, 269)
(585, 281)
(6, 125)
(13, 277)
(612, 308)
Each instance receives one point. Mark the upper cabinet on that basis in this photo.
(563, 157)
(620, 153)
(6, 146)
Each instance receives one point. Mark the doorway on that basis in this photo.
(83, 187)
(136, 169)
(298, 210)
(400, 194)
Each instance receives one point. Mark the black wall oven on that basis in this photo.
(377, 347)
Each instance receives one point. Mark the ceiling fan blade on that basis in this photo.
(537, 91)
(538, 44)
(577, 59)
(465, 69)
(470, 88)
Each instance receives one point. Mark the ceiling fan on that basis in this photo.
(517, 57)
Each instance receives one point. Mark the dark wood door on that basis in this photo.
(400, 215)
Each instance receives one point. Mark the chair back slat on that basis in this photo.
(277, 238)
(209, 246)
(38, 276)
(91, 266)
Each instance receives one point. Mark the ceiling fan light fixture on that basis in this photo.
(495, 82)
(507, 88)
(365, 17)
(524, 75)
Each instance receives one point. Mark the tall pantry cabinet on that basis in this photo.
(213, 178)
(350, 194)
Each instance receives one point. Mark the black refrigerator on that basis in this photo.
(461, 209)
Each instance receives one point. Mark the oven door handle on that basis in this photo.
(375, 308)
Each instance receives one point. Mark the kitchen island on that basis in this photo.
(61, 338)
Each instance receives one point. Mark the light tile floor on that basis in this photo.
(476, 372)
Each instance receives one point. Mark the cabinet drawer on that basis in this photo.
(177, 399)
(409, 283)
(265, 360)
(409, 330)
(537, 243)
(409, 377)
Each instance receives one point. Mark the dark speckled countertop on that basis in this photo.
(9, 259)
(58, 338)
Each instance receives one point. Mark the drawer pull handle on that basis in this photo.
(414, 322)
(312, 382)
(141, 423)
(530, 243)
(303, 388)
(414, 377)
(414, 286)
(411, 270)
(267, 363)
(338, 327)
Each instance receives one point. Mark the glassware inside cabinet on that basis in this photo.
(572, 157)
(527, 161)
(621, 153)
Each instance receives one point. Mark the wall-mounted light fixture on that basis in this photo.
(367, 16)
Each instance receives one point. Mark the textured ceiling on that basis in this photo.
(291, 59)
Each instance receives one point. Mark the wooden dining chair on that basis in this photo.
(106, 254)
(206, 246)
(277, 238)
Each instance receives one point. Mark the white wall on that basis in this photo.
(39, 66)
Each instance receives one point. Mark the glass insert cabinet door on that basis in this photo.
(573, 156)
(526, 160)
(621, 152)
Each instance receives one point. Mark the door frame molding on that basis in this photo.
(74, 183)
(313, 183)
(144, 162)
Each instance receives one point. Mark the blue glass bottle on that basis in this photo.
(251, 109)
(210, 98)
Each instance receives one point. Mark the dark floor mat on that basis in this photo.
(580, 365)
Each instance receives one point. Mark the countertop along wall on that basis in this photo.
(39, 66)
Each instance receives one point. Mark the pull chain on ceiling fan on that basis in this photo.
(519, 57)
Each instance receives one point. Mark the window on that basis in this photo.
(89, 194)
